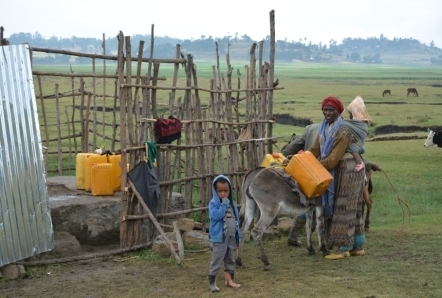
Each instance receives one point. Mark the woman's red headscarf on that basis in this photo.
(334, 102)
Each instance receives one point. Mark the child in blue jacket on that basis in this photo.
(224, 232)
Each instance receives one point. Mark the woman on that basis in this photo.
(343, 199)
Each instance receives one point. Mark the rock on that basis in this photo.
(186, 224)
(285, 225)
(91, 219)
(13, 271)
(268, 234)
(160, 246)
(176, 204)
(65, 245)
(196, 239)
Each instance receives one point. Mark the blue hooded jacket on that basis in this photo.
(217, 210)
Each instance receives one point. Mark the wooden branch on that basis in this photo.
(107, 57)
(84, 257)
(179, 240)
(181, 212)
(81, 75)
(214, 121)
(198, 251)
(155, 87)
(198, 88)
(133, 217)
(184, 211)
(155, 222)
(163, 146)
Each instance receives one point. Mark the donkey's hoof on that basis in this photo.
(311, 251)
(367, 228)
(268, 267)
(238, 262)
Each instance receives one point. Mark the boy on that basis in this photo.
(224, 232)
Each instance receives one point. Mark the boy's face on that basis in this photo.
(222, 189)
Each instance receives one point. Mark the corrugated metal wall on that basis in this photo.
(25, 217)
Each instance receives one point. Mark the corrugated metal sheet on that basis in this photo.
(25, 217)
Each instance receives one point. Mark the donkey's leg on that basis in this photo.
(320, 229)
(257, 237)
(249, 212)
(263, 223)
(308, 231)
(369, 202)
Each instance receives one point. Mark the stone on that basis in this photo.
(65, 245)
(13, 271)
(91, 219)
(160, 246)
(176, 204)
(196, 239)
(186, 224)
(269, 234)
(284, 225)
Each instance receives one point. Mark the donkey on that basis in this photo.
(266, 189)
(386, 92)
(412, 91)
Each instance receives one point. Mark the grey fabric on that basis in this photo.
(223, 252)
(359, 130)
(304, 141)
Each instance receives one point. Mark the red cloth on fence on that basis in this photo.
(167, 130)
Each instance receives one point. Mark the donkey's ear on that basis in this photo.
(428, 129)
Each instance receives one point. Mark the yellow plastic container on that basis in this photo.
(101, 180)
(79, 169)
(116, 171)
(91, 161)
(275, 157)
(312, 177)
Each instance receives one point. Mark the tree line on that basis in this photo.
(357, 50)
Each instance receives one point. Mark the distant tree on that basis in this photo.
(355, 57)
(245, 37)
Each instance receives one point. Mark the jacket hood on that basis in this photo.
(215, 194)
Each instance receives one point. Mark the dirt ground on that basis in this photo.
(392, 267)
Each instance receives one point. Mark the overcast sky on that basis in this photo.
(318, 21)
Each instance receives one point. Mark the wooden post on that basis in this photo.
(123, 142)
(45, 121)
(179, 240)
(104, 88)
(271, 77)
(60, 149)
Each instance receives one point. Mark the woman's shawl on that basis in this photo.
(326, 140)
(359, 130)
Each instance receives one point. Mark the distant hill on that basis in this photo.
(373, 50)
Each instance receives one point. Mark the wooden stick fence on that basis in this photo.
(216, 138)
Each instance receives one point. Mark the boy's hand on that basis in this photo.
(225, 201)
